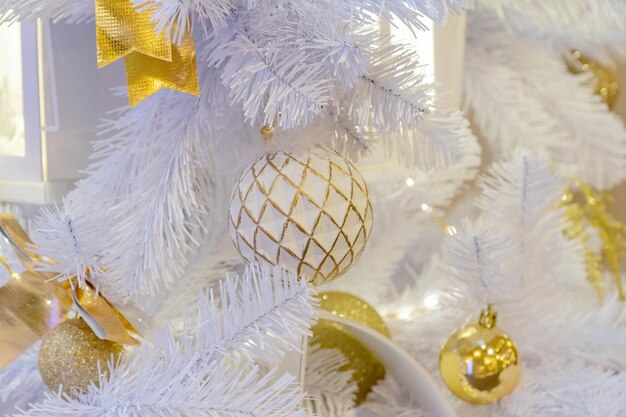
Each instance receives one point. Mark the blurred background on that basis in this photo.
(53, 98)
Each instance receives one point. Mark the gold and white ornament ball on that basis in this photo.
(479, 363)
(306, 211)
(70, 353)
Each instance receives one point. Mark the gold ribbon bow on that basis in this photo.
(33, 302)
(152, 61)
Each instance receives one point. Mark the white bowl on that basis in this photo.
(404, 368)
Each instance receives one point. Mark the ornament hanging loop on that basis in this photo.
(488, 317)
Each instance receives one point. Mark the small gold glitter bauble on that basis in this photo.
(70, 353)
(367, 369)
(308, 212)
(606, 82)
(479, 363)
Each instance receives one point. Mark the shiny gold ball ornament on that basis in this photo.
(606, 82)
(70, 353)
(366, 369)
(353, 308)
(306, 211)
(479, 363)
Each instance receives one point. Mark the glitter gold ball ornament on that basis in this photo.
(367, 369)
(606, 83)
(479, 363)
(308, 212)
(70, 353)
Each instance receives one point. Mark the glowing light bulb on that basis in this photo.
(404, 314)
(431, 300)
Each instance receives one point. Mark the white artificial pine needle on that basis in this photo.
(389, 398)
(543, 108)
(211, 369)
(330, 390)
(148, 219)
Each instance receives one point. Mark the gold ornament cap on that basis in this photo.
(479, 363)
(73, 356)
(366, 369)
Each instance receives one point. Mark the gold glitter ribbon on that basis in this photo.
(152, 61)
(605, 80)
(592, 213)
(33, 302)
(28, 309)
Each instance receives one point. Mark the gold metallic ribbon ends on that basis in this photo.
(32, 302)
(152, 61)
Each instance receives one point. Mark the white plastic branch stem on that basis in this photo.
(294, 363)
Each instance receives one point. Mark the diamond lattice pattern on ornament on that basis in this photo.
(310, 213)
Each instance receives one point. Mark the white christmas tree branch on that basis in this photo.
(520, 196)
(389, 398)
(216, 259)
(393, 105)
(266, 312)
(476, 255)
(326, 32)
(269, 82)
(144, 206)
(259, 316)
(585, 18)
(440, 140)
(410, 12)
(392, 95)
(168, 383)
(20, 382)
(564, 388)
(71, 11)
(69, 240)
(330, 390)
(173, 17)
(553, 111)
